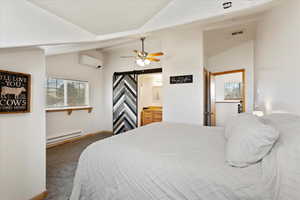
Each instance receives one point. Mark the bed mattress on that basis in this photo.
(165, 161)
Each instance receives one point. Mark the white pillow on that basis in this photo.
(250, 141)
(232, 122)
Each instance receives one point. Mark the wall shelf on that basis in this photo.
(69, 110)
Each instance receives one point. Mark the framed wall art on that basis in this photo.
(15, 92)
(181, 79)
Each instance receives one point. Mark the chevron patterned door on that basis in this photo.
(124, 102)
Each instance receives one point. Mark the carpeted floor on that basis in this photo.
(61, 166)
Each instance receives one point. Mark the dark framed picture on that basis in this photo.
(181, 79)
(15, 92)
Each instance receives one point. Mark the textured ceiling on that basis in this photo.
(104, 16)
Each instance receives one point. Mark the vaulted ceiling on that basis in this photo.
(85, 23)
(104, 16)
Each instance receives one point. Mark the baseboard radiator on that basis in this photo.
(64, 137)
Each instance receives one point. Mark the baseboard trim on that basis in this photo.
(41, 196)
(75, 139)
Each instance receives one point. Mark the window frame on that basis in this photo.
(65, 82)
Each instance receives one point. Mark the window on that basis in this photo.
(67, 93)
(233, 90)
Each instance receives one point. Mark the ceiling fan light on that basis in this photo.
(147, 62)
(140, 62)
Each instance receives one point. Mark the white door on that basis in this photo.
(228, 95)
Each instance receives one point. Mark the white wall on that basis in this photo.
(183, 102)
(22, 136)
(184, 55)
(67, 66)
(277, 59)
(1, 23)
(239, 57)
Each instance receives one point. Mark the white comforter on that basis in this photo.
(281, 168)
(162, 162)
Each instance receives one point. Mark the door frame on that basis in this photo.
(213, 93)
(206, 96)
(134, 72)
(137, 72)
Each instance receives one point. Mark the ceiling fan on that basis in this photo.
(144, 58)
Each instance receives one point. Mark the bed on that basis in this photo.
(169, 161)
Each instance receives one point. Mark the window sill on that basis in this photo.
(69, 109)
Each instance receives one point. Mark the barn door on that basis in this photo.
(124, 102)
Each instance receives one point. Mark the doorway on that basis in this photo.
(149, 98)
(126, 95)
(226, 96)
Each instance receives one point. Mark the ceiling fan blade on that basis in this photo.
(136, 51)
(156, 54)
(153, 59)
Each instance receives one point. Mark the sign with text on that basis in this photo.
(14, 92)
(181, 79)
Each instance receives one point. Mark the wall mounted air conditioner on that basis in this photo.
(90, 61)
